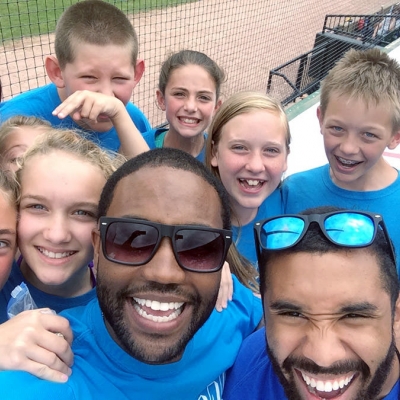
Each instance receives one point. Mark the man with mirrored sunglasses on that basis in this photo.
(162, 238)
(330, 294)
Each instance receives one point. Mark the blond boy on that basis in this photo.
(359, 116)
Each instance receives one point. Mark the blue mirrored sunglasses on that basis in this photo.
(344, 228)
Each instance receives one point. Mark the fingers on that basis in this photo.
(37, 342)
(225, 290)
(89, 105)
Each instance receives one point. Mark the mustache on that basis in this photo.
(338, 368)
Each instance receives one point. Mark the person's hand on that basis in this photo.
(38, 342)
(84, 104)
(225, 289)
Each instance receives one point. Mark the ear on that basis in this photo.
(320, 117)
(218, 105)
(214, 155)
(394, 141)
(396, 322)
(160, 99)
(139, 70)
(96, 246)
(54, 71)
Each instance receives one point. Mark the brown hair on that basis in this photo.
(190, 57)
(370, 75)
(95, 22)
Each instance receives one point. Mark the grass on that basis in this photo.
(19, 18)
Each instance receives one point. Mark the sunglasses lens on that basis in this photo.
(350, 229)
(199, 250)
(131, 243)
(281, 232)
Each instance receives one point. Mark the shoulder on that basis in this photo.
(140, 120)
(16, 385)
(252, 376)
(151, 135)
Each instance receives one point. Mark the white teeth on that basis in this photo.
(326, 386)
(51, 254)
(156, 318)
(252, 182)
(158, 306)
(347, 162)
(189, 120)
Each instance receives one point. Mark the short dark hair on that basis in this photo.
(314, 241)
(165, 157)
(95, 22)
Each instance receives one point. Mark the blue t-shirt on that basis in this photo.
(102, 370)
(41, 299)
(40, 102)
(243, 236)
(152, 139)
(315, 188)
(253, 378)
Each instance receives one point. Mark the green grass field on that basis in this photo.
(20, 18)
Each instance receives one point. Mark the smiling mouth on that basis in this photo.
(327, 389)
(188, 120)
(52, 254)
(347, 163)
(251, 183)
(157, 311)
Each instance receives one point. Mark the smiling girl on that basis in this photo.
(61, 178)
(188, 91)
(247, 149)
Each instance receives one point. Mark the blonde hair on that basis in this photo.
(370, 75)
(238, 104)
(19, 121)
(9, 187)
(75, 144)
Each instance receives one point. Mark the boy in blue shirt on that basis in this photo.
(96, 49)
(359, 116)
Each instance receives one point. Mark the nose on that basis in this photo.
(349, 145)
(163, 267)
(57, 230)
(106, 88)
(255, 163)
(323, 346)
(190, 104)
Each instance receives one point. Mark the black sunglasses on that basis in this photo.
(344, 228)
(134, 242)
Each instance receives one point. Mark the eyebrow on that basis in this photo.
(363, 307)
(7, 232)
(156, 222)
(186, 90)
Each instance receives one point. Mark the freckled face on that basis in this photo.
(329, 326)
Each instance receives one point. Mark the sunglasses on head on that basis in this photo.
(131, 241)
(344, 228)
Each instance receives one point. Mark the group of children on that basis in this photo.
(245, 141)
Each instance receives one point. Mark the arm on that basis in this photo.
(37, 342)
(86, 104)
(225, 289)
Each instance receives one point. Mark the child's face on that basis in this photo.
(105, 69)
(251, 158)
(355, 137)
(59, 198)
(16, 144)
(190, 101)
(8, 237)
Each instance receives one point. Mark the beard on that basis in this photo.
(153, 351)
(366, 392)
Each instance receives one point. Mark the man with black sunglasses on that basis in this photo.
(330, 294)
(163, 235)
